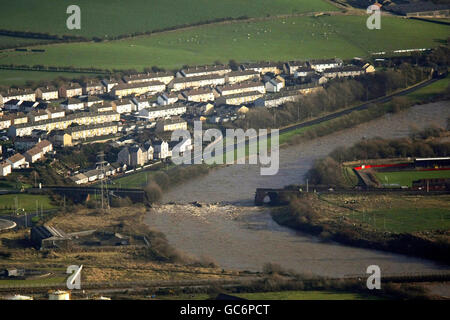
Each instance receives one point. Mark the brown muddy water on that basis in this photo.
(237, 235)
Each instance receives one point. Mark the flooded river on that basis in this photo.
(239, 236)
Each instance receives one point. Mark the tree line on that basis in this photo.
(336, 94)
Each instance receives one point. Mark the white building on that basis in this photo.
(122, 106)
(72, 104)
(17, 161)
(320, 65)
(163, 111)
(274, 85)
(161, 150)
(167, 98)
(47, 93)
(5, 168)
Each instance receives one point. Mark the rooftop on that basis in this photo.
(16, 158)
(198, 78)
(122, 86)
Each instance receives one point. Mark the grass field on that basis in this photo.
(103, 18)
(401, 220)
(405, 178)
(280, 295)
(304, 295)
(19, 77)
(278, 39)
(25, 201)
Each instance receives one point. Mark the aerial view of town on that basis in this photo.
(225, 150)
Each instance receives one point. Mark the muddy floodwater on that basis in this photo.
(237, 235)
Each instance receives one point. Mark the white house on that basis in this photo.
(93, 175)
(47, 93)
(321, 65)
(140, 103)
(80, 179)
(274, 85)
(18, 94)
(167, 98)
(109, 84)
(72, 104)
(148, 149)
(161, 150)
(163, 111)
(33, 155)
(54, 113)
(17, 161)
(122, 106)
(5, 168)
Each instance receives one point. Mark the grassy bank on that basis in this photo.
(430, 92)
(406, 224)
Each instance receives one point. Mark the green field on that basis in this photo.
(403, 220)
(102, 18)
(19, 77)
(405, 178)
(277, 40)
(25, 201)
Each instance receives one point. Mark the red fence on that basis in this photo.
(368, 166)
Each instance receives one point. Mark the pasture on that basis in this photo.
(276, 40)
(106, 18)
